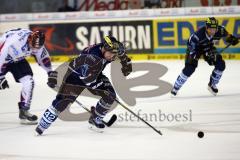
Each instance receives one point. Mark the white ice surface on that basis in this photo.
(218, 117)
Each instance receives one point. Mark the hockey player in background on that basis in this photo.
(15, 45)
(200, 44)
(83, 72)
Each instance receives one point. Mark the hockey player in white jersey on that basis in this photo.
(15, 45)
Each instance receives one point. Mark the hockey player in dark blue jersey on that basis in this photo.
(200, 44)
(83, 72)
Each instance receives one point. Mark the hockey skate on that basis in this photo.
(25, 116)
(96, 123)
(212, 89)
(174, 92)
(39, 131)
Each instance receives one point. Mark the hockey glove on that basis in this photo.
(3, 83)
(52, 79)
(121, 50)
(232, 40)
(211, 56)
(126, 66)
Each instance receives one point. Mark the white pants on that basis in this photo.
(27, 89)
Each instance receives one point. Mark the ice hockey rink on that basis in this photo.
(218, 117)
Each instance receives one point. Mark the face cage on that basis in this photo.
(37, 46)
(216, 28)
(37, 41)
(113, 49)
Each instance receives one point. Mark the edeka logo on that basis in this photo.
(124, 87)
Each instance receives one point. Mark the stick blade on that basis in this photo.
(111, 121)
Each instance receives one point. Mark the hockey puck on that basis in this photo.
(200, 134)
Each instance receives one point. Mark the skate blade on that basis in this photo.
(95, 129)
(27, 122)
(172, 95)
(210, 90)
(37, 134)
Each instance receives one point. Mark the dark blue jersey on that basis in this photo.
(88, 65)
(200, 43)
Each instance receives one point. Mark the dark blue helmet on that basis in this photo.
(111, 44)
(211, 22)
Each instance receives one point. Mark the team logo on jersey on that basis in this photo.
(25, 48)
(84, 69)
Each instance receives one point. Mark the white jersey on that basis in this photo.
(14, 47)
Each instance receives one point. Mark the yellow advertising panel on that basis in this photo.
(171, 35)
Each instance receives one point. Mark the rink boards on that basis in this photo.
(148, 38)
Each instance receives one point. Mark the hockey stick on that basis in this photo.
(159, 132)
(229, 44)
(223, 49)
(108, 124)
